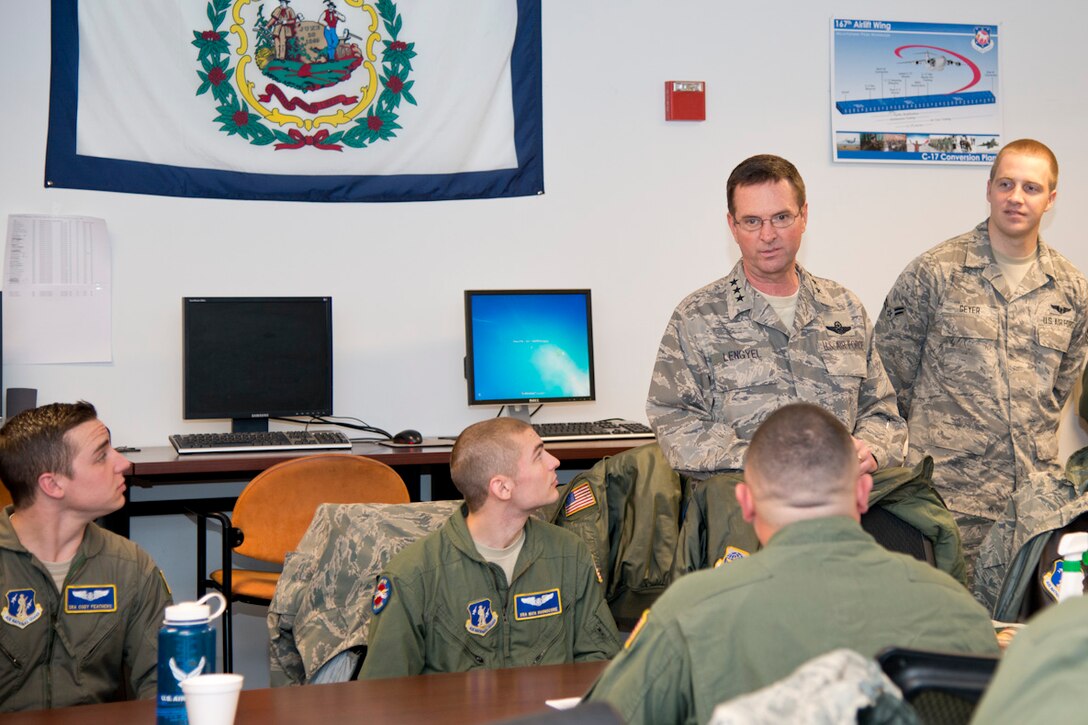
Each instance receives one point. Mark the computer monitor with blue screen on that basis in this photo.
(252, 358)
(528, 346)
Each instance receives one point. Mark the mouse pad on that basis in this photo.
(427, 443)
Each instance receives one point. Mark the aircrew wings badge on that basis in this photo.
(580, 498)
(382, 593)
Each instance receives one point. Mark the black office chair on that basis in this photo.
(943, 688)
(895, 534)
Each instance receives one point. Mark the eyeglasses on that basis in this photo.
(778, 221)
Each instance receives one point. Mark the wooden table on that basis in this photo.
(479, 696)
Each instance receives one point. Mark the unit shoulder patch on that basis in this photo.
(21, 608)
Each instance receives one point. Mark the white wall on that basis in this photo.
(634, 206)
(634, 209)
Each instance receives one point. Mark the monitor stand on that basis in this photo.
(249, 425)
(521, 412)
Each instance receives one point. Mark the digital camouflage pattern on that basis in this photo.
(831, 688)
(1009, 556)
(818, 585)
(981, 371)
(726, 362)
(323, 602)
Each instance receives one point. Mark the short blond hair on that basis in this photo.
(484, 450)
(1029, 147)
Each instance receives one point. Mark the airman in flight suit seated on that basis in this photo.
(494, 587)
(82, 605)
(819, 583)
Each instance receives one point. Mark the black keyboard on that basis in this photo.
(293, 440)
(599, 430)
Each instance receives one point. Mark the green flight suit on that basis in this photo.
(1041, 677)
(817, 586)
(440, 607)
(76, 646)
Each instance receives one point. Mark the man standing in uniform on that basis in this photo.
(983, 337)
(494, 587)
(767, 334)
(819, 583)
(82, 605)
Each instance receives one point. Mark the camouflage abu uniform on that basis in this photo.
(726, 362)
(982, 371)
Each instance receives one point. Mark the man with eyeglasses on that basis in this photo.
(765, 335)
(983, 337)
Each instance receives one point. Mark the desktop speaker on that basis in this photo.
(20, 399)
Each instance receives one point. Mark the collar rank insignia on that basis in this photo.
(1061, 309)
(481, 619)
(732, 553)
(896, 311)
(738, 295)
(735, 283)
(20, 608)
(838, 328)
(96, 598)
(537, 605)
(1051, 580)
(382, 593)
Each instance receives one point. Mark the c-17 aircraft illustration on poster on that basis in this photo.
(914, 92)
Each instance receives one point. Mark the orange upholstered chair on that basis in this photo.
(272, 515)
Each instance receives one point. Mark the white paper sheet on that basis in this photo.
(57, 290)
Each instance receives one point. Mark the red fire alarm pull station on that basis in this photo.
(685, 101)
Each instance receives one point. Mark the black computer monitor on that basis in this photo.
(249, 358)
(528, 346)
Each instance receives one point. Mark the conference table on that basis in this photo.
(162, 466)
(479, 696)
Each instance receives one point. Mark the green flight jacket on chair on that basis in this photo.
(631, 522)
(714, 529)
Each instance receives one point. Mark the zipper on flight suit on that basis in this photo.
(11, 658)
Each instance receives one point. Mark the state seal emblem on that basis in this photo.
(308, 74)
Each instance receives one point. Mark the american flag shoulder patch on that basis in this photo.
(581, 497)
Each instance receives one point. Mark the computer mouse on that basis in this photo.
(409, 435)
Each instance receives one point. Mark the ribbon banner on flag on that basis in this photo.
(297, 100)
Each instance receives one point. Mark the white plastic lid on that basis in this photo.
(194, 612)
(188, 613)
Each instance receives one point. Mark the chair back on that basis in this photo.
(5, 496)
(276, 508)
(895, 534)
(941, 687)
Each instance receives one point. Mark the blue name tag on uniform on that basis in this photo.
(90, 599)
(538, 604)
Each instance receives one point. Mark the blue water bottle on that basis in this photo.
(186, 649)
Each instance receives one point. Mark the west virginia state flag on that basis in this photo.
(305, 100)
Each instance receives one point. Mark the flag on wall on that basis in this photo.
(297, 100)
